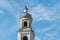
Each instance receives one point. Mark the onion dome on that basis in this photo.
(26, 14)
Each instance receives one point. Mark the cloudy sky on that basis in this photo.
(45, 13)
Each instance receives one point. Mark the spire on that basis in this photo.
(25, 9)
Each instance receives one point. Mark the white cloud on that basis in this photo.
(47, 28)
(5, 4)
(41, 12)
(50, 33)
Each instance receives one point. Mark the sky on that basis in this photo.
(45, 14)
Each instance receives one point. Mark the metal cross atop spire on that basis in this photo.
(25, 9)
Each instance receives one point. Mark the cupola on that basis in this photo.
(25, 18)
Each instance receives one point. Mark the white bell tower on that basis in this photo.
(25, 32)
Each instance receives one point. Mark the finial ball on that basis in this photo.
(25, 9)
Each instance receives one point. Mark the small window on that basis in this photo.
(25, 24)
(25, 38)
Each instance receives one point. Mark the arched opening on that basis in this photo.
(25, 38)
(25, 24)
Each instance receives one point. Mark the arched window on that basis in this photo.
(25, 38)
(25, 24)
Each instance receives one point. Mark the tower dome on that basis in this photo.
(26, 17)
(26, 14)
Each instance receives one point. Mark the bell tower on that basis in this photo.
(25, 32)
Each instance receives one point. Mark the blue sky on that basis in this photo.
(45, 13)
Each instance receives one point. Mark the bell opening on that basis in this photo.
(25, 24)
